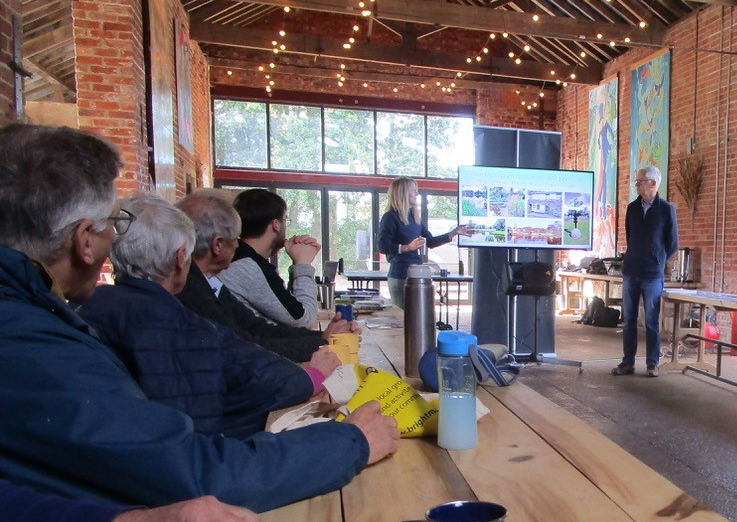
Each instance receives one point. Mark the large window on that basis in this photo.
(400, 144)
(259, 135)
(449, 144)
(295, 137)
(349, 141)
(240, 134)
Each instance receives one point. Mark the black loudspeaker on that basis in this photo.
(533, 278)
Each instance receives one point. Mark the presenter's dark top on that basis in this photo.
(393, 233)
(652, 238)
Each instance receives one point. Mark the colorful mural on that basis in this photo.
(650, 113)
(603, 153)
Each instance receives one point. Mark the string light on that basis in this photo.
(552, 72)
(287, 9)
(535, 17)
(627, 39)
(230, 73)
(583, 54)
(517, 61)
(643, 24)
(599, 36)
(526, 48)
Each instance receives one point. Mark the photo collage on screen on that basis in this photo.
(530, 208)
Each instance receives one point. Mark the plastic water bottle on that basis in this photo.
(457, 386)
(419, 317)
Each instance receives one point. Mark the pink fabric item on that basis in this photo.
(317, 379)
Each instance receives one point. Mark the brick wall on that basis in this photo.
(703, 106)
(111, 87)
(7, 105)
(108, 37)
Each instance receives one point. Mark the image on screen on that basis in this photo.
(525, 208)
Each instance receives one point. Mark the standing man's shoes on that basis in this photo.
(624, 369)
(652, 370)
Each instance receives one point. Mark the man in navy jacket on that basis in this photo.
(74, 421)
(22, 504)
(227, 385)
(652, 237)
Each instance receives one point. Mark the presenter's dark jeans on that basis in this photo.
(650, 290)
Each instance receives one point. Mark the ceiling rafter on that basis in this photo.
(392, 55)
(441, 13)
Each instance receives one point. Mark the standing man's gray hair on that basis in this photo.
(50, 179)
(652, 172)
(212, 216)
(148, 248)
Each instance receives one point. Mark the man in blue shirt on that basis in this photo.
(652, 237)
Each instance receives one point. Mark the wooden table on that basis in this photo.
(718, 301)
(567, 278)
(541, 462)
(364, 277)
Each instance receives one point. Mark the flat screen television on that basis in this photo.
(511, 207)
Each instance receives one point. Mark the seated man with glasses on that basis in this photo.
(217, 223)
(74, 421)
(255, 281)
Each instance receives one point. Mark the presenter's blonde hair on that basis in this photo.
(402, 200)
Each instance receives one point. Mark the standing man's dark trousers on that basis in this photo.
(650, 290)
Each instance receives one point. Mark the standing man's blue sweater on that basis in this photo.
(645, 258)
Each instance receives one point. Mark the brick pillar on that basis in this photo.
(111, 85)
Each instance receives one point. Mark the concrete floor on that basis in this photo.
(682, 425)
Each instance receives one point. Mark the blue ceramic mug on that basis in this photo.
(466, 511)
(346, 311)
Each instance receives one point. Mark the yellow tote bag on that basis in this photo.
(416, 416)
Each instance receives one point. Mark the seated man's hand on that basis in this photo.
(340, 325)
(301, 252)
(306, 240)
(202, 509)
(324, 360)
(380, 431)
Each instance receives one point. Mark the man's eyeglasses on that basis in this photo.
(122, 222)
(639, 182)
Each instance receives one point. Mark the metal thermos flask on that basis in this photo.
(419, 317)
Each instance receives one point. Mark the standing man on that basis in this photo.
(652, 237)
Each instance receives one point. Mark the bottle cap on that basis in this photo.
(455, 343)
(419, 272)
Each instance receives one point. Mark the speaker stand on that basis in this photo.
(534, 357)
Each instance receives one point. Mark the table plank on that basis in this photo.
(639, 490)
(515, 467)
(405, 485)
(325, 508)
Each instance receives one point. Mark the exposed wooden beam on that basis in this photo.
(47, 41)
(441, 13)
(390, 55)
(49, 78)
(721, 2)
